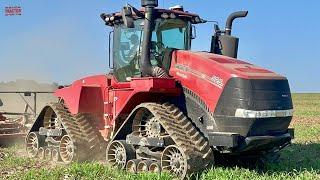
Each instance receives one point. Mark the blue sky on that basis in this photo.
(63, 41)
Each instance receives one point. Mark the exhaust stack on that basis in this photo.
(145, 64)
(231, 18)
(222, 42)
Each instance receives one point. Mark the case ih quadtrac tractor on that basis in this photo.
(165, 107)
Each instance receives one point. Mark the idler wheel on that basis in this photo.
(119, 153)
(173, 160)
(33, 143)
(67, 149)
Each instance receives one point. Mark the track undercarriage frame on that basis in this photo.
(162, 138)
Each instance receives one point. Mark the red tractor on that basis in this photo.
(165, 107)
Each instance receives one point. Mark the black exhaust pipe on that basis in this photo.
(232, 17)
(145, 63)
(222, 42)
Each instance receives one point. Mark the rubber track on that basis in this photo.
(95, 143)
(184, 133)
(86, 139)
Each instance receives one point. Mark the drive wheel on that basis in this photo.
(119, 153)
(147, 125)
(153, 128)
(50, 119)
(174, 161)
(67, 149)
(33, 144)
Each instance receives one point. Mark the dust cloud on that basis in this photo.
(17, 102)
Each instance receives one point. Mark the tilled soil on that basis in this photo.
(305, 121)
(15, 160)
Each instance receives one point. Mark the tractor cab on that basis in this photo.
(168, 30)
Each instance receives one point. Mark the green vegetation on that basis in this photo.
(301, 160)
(307, 105)
(84, 171)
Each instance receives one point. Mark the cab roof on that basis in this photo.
(116, 18)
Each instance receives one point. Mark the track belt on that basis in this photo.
(184, 133)
(86, 138)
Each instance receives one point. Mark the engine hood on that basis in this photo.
(208, 62)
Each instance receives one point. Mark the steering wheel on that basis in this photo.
(123, 59)
(157, 48)
(160, 47)
(127, 70)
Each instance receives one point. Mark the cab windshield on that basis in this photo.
(168, 33)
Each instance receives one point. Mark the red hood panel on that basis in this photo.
(234, 67)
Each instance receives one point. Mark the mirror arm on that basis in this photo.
(127, 17)
(136, 11)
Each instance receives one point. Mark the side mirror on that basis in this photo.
(1, 103)
(216, 28)
(127, 17)
(193, 32)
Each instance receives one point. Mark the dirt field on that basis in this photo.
(301, 160)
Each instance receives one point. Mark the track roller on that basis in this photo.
(143, 166)
(55, 155)
(48, 153)
(119, 153)
(155, 167)
(173, 160)
(33, 142)
(132, 165)
(41, 153)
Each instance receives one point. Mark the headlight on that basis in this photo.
(244, 113)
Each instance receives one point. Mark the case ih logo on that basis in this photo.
(13, 11)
